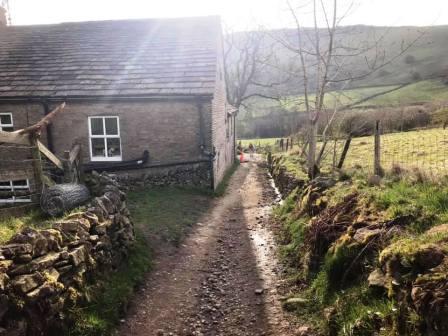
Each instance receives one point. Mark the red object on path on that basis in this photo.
(242, 157)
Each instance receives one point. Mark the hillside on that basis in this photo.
(426, 59)
(420, 92)
(266, 118)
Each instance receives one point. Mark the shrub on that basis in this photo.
(361, 123)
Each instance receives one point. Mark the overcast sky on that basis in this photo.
(239, 14)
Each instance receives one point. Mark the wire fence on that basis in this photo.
(421, 149)
(425, 150)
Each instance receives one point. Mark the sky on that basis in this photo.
(236, 14)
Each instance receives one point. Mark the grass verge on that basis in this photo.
(161, 216)
(168, 212)
(13, 224)
(36, 219)
(352, 307)
(222, 187)
(109, 303)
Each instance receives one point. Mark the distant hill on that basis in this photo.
(428, 57)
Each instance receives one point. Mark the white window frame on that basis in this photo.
(12, 188)
(105, 137)
(6, 125)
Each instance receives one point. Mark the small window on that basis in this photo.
(105, 142)
(17, 191)
(6, 124)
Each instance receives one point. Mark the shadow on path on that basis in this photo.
(220, 281)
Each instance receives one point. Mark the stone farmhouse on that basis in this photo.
(143, 97)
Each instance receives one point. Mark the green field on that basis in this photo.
(427, 149)
(425, 91)
(424, 149)
(258, 142)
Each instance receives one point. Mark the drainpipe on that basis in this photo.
(212, 171)
(49, 127)
(234, 137)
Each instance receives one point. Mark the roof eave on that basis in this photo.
(107, 97)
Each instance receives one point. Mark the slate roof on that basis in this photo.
(103, 58)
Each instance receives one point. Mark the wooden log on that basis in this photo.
(44, 121)
(50, 156)
(14, 138)
(61, 198)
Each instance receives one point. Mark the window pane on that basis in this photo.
(20, 183)
(5, 185)
(113, 147)
(5, 119)
(111, 126)
(98, 147)
(6, 129)
(96, 126)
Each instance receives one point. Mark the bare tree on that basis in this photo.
(328, 64)
(247, 56)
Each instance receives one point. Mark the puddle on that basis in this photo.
(265, 250)
(278, 195)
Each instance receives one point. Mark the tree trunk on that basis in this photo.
(312, 150)
(63, 197)
(322, 151)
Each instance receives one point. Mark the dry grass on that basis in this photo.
(423, 149)
(417, 153)
(13, 224)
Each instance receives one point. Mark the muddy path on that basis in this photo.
(223, 280)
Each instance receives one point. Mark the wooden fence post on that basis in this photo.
(334, 156)
(345, 151)
(79, 168)
(37, 162)
(67, 167)
(377, 151)
(72, 164)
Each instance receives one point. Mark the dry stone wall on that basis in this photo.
(44, 273)
(284, 180)
(182, 175)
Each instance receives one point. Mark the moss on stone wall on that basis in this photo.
(372, 259)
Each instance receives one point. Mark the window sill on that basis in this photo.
(103, 159)
(9, 201)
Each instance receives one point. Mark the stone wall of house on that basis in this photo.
(168, 129)
(44, 272)
(24, 114)
(15, 159)
(222, 123)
